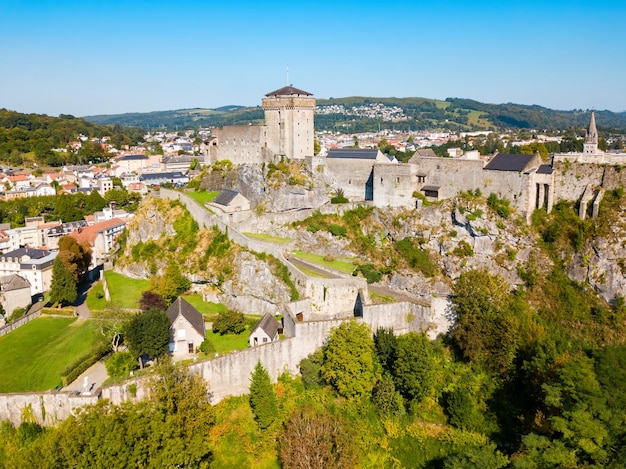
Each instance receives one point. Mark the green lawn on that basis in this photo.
(208, 310)
(34, 355)
(380, 298)
(341, 265)
(270, 238)
(203, 197)
(228, 342)
(125, 292)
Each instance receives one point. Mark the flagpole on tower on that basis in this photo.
(287, 74)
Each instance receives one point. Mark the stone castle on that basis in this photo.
(368, 175)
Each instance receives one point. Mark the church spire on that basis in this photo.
(591, 136)
(592, 132)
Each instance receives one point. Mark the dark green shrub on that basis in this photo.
(463, 249)
(207, 347)
(230, 322)
(370, 272)
(501, 206)
(337, 230)
(417, 257)
(121, 364)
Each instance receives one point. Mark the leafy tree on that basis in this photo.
(120, 364)
(63, 287)
(476, 457)
(263, 398)
(66, 208)
(148, 333)
(151, 300)
(313, 439)
(386, 344)
(316, 147)
(483, 330)
(94, 202)
(117, 196)
(171, 284)
(349, 360)
(387, 400)
(461, 409)
(229, 322)
(75, 256)
(415, 366)
(310, 369)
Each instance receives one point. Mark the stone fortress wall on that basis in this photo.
(239, 144)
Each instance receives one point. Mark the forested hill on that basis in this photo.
(184, 118)
(359, 114)
(30, 138)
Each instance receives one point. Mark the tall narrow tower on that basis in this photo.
(289, 119)
(591, 136)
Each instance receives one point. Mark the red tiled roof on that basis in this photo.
(90, 233)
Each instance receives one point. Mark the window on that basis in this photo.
(180, 333)
(190, 348)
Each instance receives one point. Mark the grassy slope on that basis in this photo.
(342, 266)
(125, 292)
(34, 355)
(203, 197)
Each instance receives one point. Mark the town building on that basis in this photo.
(35, 265)
(264, 331)
(187, 329)
(101, 238)
(14, 293)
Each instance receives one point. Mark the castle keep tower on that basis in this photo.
(289, 115)
(591, 137)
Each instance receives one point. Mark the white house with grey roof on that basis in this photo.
(264, 331)
(187, 329)
(229, 201)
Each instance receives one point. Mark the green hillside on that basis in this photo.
(455, 114)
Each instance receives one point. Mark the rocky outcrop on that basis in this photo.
(254, 287)
(276, 195)
(603, 265)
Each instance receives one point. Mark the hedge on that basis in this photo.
(72, 372)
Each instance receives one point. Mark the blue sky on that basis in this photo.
(94, 57)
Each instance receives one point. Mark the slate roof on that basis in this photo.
(165, 175)
(14, 282)
(288, 91)
(268, 324)
(353, 154)
(506, 162)
(427, 152)
(225, 197)
(132, 157)
(30, 252)
(545, 169)
(180, 307)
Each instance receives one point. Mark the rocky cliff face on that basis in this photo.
(272, 191)
(253, 287)
(247, 284)
(602, 264)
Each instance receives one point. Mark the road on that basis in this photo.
(93, 378)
